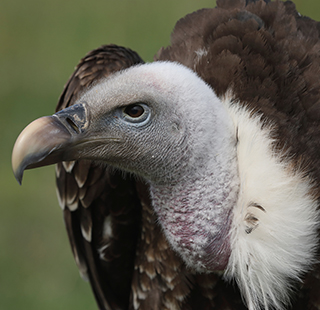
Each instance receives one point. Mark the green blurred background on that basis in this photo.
(40, 44)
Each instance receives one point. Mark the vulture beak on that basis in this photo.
(49, 139)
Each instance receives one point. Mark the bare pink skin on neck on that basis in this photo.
(196, 220)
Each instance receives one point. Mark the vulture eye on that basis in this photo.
(137, 113)
(134, 110)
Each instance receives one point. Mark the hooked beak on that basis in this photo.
(49, 139)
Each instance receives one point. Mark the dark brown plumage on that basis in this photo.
(98, 194)
(266, 45)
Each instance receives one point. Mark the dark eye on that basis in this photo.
(137, 113)
(134, 110)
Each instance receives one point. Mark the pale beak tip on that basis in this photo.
(18, 175)
(18, 166)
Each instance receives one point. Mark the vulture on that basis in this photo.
(193, 182)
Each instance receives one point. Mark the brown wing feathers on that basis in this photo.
(267, 46)
(276, 51)
(95, 200)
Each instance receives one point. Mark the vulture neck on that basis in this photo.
(195, 211)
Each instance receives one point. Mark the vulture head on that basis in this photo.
(222, 135)
(161, 122)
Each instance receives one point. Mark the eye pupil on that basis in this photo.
(134, 110)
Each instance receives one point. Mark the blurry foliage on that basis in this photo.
(40, 44)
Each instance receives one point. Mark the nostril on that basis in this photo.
(74, 118)
(73, 125)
